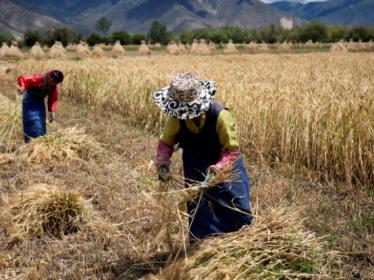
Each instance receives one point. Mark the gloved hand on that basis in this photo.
(51, 117)
(210, 175)
(163, 173)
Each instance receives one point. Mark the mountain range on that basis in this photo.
(137, 15)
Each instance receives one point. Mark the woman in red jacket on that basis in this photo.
(34, 89)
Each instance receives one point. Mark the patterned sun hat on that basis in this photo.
(186, 97)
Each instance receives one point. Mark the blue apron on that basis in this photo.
(223, 208)
(33, 116)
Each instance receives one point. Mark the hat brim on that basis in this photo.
(186, 110)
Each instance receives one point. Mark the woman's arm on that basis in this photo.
(165, 147)
(226, 130)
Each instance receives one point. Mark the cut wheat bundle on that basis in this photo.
(43, 210)
(36, 51)
(276, 246)
(144, 49)
(117, 50)
(57, 50)
(97, 52)
(230, 48)
(60, 145)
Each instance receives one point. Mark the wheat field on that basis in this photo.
(84, 202)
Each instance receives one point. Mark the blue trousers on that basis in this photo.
(221, 209)
(33, 116)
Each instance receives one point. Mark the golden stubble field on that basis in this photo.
(306, 126)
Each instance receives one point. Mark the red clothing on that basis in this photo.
(36, 80)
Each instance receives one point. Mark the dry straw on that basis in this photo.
(36, 51)
(71, 47)
(200, 47)
(172, 48)
(83, 50)
(144, 49)
(338, 47)
(14, 52)
(4, 50)
(97, 51)
(43, 210)
(10, 125)
(284, 46)
(117, 50)
(57, 50)
(275, 246)
(230, 48)
(63, 144)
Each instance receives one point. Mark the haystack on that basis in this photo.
(36, 51)
(212, 46)
(71, 47)
(230, 48)
(263, 46)
(14, 51)
(276, 246)
(117, 50)
(284, 46)
(251, 46)
(203, 47)
(10, 126)
(61, 145)
(4, 50)
(182, 49)
(194, 47)
(57, 50)
(172, 48)
(338, 47)
(97, 51)
(144, 49)
(83, 50)
(43, 210)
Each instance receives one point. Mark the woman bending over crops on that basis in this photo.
(35, 88)
(206, 132)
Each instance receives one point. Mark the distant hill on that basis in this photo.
(137, 16)
(16, 18)
(345, 12)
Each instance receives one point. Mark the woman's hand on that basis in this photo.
(20, 90)
(163, 173)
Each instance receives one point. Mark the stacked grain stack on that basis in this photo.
(230, 48)
(284, 46)
(45, 48)
(182, 48)
(144, 49)
(263, 46)
(309, 44)
(4, 50)
(212, 46)
(97, 51)
(36, 51)
(194, 46)
(83, 50)
(172, 48)
(338, 47)
(204, 47)
(14, 51)
(71, 47)
(251, 46)
(117, 50)
(57, 50)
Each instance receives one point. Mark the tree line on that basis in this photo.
(158, 33)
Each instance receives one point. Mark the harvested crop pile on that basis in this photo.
(10, 126)
(275, 247)
(60, 145)
(43, 210)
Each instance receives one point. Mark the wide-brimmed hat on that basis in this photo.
(186, 97)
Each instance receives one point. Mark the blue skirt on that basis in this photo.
(33, 116)
(223, 208)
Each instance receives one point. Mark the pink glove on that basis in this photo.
(226, 158)
(164, 153)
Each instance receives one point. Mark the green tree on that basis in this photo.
(6, 38)
(94, 38)
(30, 37)
(122, 36)
(137, 39)
(158, 33)
(315, 31)
(103, 25)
